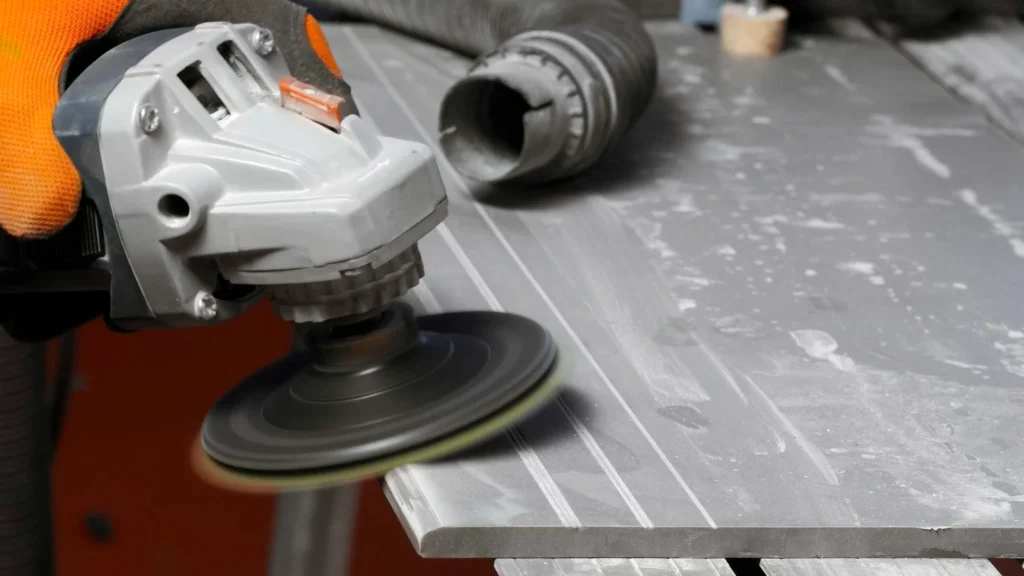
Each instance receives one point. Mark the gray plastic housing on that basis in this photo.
(238, 186)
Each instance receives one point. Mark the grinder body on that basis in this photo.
(204, 191)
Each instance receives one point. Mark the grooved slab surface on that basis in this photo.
(788, 309)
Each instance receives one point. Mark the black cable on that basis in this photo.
(25, 507)
(62, 386)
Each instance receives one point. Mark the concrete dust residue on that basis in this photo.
(866, 268)
(909, 138)
(834, 198)
(686, 205)
(650, 234)
(999, 224)
(840, 78)
(821, 346)
(820, 224)
(719, 151)
(814, 223)
(816, 456)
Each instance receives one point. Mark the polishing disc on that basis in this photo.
(241, 481)
(360, 400)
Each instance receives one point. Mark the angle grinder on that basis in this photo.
(213, 178)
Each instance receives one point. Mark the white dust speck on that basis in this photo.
(780, 245)
(999, 225)
(840, 78)
(719, 151)
(964, 365)
(810, 273)
(686, 205)
(741, 176)
(905, 137)
(738, 325)
(817, 223)
(833, 198)
(650, 233)
(866, 268)
(877, 280)
(726, 250)
(959, 307)
(842, 362)
(1010, 332)
(762, 120)
(769, 220)
(820, 345)
(746, 100)
(1013, 359)
(908, 138)
(694, 281)
(960, 286)
(686, 304)
(820, 224)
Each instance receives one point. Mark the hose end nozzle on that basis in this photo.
(534, 110)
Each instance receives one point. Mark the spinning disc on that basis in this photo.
(369, 397)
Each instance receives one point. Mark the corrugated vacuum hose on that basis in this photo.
(557, 82)
(25, 523)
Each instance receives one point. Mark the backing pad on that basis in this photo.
(364, 398)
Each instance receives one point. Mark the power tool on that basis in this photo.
(214, 177)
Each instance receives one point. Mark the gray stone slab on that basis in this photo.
(611, 567)
(981, 63)
(787, 307)
(878, 567)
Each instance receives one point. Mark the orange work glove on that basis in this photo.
(40, 189)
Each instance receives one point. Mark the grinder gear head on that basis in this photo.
(215, 177)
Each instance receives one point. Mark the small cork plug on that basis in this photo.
(752, 29)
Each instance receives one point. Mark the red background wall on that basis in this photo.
(123, 453)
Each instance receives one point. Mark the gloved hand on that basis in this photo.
(45, 43)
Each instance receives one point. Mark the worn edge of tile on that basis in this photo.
(415, 514)
(731, 542)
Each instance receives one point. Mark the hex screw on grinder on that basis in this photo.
(752, 28)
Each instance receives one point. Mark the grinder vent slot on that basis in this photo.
(193, 78)
(243, 68)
